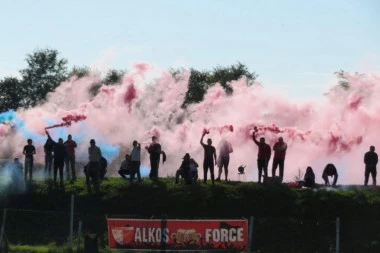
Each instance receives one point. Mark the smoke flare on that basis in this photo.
(338, 129)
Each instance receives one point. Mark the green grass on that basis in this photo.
(50, 248)
(37, 219)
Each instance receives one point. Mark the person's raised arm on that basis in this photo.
(47, 133)
(201, 141)
(254, 138)
(49, 137)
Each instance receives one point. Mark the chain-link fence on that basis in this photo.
(268, 235)
(31, 227)
(293, 235)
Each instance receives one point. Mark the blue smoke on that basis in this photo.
(7, 117)
(109, 151)
(10, 117)
(144, 170)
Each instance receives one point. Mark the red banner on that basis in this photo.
(178, 234)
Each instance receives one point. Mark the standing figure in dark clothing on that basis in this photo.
(225, 148)
(136, 161)
(209, 158)
(48, 149)
(263, 155)
(155, 151)
(370, 160)
(279, 157)
(309, 178)
(330, 171)
(60, 153)
(29, 151)
(70, 145)
(93, 168)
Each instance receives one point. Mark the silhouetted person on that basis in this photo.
(309, 178)
(209, 158)
(125, 167)
(136, 161)
(193, 170)
(184, 169)
(187, 170)
(155, 151)
(330, 171)
(279, 157)
(225, 148)
(70, 145)
(103, 167)
(48, 149)
(59, 151)
(94, 155)
(263, 156)
(29, 151)
(370, 160)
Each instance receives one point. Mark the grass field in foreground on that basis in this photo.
(300, 219)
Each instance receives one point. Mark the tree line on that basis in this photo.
(46, 69)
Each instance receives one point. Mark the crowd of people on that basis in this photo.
(61, 154)
(280, 147)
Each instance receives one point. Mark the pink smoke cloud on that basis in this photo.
(339, 129)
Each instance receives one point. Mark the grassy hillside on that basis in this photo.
(285, 219)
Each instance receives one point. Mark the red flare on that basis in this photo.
(206, 131)
(354, 102)
(130, 95)
(220, 129)
(67, 120)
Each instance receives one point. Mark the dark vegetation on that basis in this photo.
(46, 70)
(285, 219)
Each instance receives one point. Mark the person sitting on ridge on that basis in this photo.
(309, 178)
(103, 167)
(330, 171)
(193, 174)
(188, 170)
(125, 167)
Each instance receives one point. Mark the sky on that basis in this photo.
(294, 46)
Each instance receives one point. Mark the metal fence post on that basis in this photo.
(337, 245)
(3, 227)
(250, 232)
(71, 222)
(79, 235)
